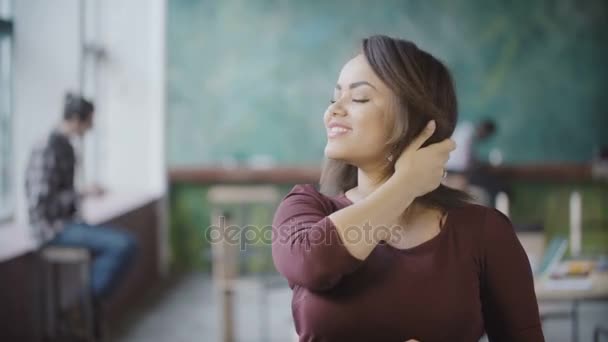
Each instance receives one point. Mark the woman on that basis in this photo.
(384, 252)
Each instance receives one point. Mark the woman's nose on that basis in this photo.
(335, 113)
(337, 110)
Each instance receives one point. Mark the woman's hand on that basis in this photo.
(418, 171)
(423, 167)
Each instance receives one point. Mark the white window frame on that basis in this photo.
(7, 191)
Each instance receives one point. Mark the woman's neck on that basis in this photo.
(370, 178)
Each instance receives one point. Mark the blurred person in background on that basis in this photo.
(54, 203)
(467, 172)
(467, 136)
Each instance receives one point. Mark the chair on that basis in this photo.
(598, 332)
(553, 255)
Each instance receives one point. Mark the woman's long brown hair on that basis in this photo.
(424, 91)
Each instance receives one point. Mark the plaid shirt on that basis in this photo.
(51, 196)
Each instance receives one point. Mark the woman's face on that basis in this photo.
(356, 130)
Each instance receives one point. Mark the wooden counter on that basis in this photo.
(545, 172)
(275, 175)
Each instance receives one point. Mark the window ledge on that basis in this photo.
(16, 238)
(114, 204)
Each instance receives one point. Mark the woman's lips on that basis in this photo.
(337, 131)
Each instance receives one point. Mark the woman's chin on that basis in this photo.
(331, 153)
(337, 158)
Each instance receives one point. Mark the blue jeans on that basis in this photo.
(112, 251)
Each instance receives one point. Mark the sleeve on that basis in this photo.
(306, 247)
(509, 304)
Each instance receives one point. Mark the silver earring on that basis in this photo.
(389, 157)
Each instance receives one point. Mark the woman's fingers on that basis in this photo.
(445, 146)
(442, 149)
(425, 166)
(426, 133)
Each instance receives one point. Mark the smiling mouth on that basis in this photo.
(337, 131)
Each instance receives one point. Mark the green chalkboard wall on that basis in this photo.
(254, 76)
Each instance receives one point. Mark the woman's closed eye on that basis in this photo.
(354, 100)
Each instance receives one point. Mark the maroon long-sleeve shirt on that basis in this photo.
(472, 277)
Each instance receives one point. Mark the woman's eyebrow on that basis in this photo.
(356, 84)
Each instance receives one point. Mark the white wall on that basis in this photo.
(132, 92)
(129, 96)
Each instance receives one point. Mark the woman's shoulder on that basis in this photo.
(304, 188)
(303, 200)
(477, 214)
(311, 195)
(310, 190)
(483, 224)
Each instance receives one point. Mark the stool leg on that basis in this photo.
(575, 321)
(98, 321)
(56, 319)
(264, 313)
(46, 300)
(227, 304)
(86, 302)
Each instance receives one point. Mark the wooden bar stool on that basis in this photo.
(58, 295)
(231, 205)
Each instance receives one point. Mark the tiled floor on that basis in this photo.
(188, 311)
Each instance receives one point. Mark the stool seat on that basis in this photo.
(65, 255)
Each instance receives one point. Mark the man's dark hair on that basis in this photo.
(77, 107)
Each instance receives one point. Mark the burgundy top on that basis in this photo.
(474, 276)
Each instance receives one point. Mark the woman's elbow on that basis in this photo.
(317, 282)
(312, 277)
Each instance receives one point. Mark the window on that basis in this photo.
(6, 185)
